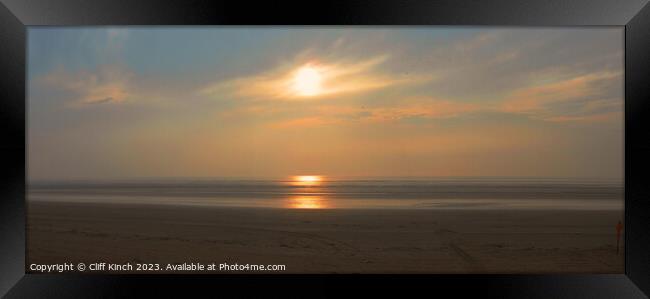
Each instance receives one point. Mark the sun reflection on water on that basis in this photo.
(307, 202)
(306, 195)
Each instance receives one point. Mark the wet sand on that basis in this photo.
(328, 240)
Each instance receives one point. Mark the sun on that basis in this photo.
(306, 180)
(308, 81)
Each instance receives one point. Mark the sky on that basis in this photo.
(216, 102)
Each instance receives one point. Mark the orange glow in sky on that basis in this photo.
(333, 103)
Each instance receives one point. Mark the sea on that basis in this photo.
(347, 193)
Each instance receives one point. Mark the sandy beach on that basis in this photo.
(328, 240)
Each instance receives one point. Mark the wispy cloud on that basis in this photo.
(106, 84)
(426, 108)
(587, 118)
(338, 77)
(577, 98)
(420, 108)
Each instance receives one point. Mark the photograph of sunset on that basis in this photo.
(325, 149)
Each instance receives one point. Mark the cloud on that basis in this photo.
(434, 109)
(106, 84)
(587, 118)
(586, 97)
(338, 77)
(489, 65)
(422, 108)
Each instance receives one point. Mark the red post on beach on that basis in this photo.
(619, 228)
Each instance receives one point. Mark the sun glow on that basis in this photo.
(308, 81)
(306, 180)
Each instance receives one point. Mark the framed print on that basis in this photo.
(450, 147)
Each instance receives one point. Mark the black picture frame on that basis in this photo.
(634, 15)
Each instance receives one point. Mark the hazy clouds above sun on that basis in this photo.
(125, 102)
